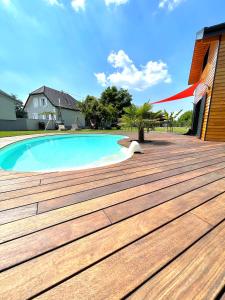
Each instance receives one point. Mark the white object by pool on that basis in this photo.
(135, 148)
(63, 152)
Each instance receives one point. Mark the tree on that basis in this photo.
(20, 113)
(90, 108)
(97, 115)
(170, 118)
(185, 119)
(19, 107)
(156, 119)
(139, 116)
(118, 98)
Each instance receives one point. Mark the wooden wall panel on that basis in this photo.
(197, 61)
(207, 78)
(215, 130)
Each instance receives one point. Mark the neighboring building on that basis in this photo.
(47, 103)
(8, 106)
(208, 68)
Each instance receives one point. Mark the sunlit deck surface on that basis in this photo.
(151, 227)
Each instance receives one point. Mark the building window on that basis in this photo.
(35, 116)
(43, 102)
(35, 100)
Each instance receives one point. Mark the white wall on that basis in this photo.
(7, 108)
(71, 117)
(37, 105)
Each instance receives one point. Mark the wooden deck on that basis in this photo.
(151, 227)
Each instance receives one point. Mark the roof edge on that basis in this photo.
(211, 31)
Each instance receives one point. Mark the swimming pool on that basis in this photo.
(63, 152)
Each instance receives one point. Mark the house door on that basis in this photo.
(198, 115)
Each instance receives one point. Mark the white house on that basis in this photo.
(8, 106)
(47, 103)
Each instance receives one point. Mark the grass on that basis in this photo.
(17, 133)
(179, 130)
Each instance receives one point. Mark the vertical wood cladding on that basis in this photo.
(207, 78)
(215, 129)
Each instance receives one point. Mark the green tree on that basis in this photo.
(140, 117)
(20, 113)
(90, 108)
(118, 98)
(19, 107)
(97, 115)
(185, 119)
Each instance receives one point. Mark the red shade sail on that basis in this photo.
(184, 94)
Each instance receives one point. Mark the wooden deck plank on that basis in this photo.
(50, 238)
(211, 213)
(41, 221)
(155, 154)
(79, 254)
(17, 186)
(104, 186)
(132, 207)
(61, 232)
(36, 275)
(134, 263)
(123, 165)
(16, 251)
(70, 182)
(199, 273)
(83, 183)
(50, 204)
(18, 213)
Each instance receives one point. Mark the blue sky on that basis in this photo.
(81, 46)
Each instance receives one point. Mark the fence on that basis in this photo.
(23, 124)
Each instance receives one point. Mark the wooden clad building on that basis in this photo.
(208, 68)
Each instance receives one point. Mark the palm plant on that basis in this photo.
(138, 116)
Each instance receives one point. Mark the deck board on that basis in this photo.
(197, 274)
(156, 221)
(133, 264)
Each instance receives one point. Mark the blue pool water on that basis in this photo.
(63, 152)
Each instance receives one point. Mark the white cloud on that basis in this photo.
(127, 75)
(169, 4)
(5, 2)
(78, 5)
(116, 2)
(101, 77)
(54, 2)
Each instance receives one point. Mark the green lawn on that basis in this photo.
(16, 133)
(180, 130)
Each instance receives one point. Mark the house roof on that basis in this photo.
(211, 31)
(66, 101)
(203, 39)
(16, 101)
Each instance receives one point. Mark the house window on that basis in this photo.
(35, 100)
(35, 116)
(43, 102)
